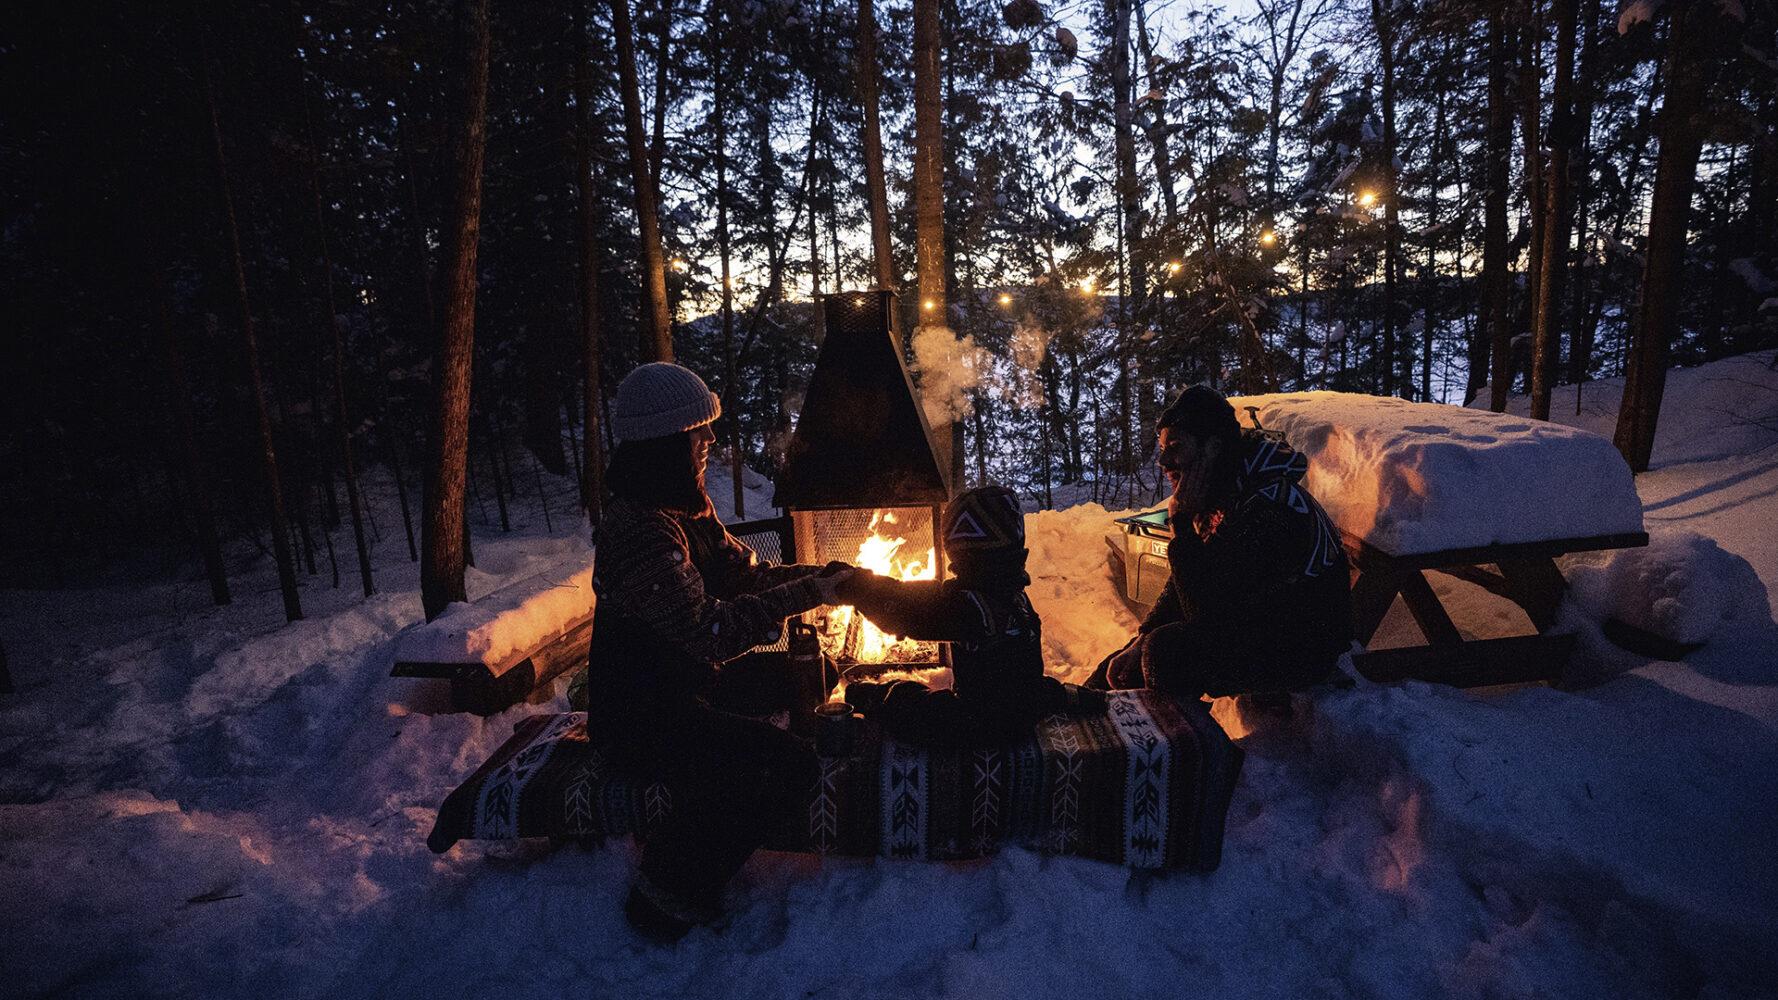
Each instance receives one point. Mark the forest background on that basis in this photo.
(251, 248)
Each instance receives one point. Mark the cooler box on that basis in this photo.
(1139, 557)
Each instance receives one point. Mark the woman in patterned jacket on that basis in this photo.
(677, 595)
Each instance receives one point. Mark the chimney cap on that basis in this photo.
(861, 439)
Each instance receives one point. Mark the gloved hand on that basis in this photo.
(857, 581)
(830, 579)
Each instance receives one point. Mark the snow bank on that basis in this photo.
(1608, 801)
(1071, 588)
(1682, 587)
(1424, 477)
(200, 801)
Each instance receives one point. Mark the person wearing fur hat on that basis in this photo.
(677, 595)
(998, 688)
(1259, 598)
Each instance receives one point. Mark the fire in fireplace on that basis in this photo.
(895, 542)
(861, 480)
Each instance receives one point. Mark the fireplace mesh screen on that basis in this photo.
(823, 535)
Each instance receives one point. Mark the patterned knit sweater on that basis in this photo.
(676, 594)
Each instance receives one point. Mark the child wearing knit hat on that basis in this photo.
(999, 688)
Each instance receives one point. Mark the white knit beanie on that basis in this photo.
(659, 399)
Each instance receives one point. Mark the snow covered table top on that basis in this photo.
(1409, 478)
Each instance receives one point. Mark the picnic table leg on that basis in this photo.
(1373, 591)
(1535, 584)
(1428, 612)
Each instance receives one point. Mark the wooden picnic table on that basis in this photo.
(1522, 572)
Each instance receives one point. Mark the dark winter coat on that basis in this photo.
(1259, 598)
(998, 687)
(678, 594)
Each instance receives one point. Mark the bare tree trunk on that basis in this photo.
(1530, 81)
(1700, 31)
(868, 92)
(1546, 329)
(592, 482)
(1129, 228)
(1580, 311)
(203, 511)
(1430, 283)
(443, 530)
(656, 335)
(725, 255)
(1497, 318)
(1385, 19)
(817, 320)
(929, 195)
(1157, 124)
(274, 487)
(657, 153)
(1283, 44)
(353, 499)
(1129, 187)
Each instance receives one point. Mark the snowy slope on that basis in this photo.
(209, 802)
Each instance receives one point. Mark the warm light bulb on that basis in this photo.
(928, 303)
(1006, 300)
(1366, 198)
(1268, 237)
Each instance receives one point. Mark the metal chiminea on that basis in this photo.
(861, 472)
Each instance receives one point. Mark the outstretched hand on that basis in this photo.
(830, 578)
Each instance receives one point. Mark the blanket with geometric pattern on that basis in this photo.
(1145, 784)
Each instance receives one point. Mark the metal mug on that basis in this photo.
(834, 729)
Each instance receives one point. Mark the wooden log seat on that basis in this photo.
(510, 645)
(1146, 785)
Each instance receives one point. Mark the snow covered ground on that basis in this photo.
(200, 801)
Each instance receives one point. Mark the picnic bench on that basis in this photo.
(1145, 784)
(1488, 498)
(508, 646)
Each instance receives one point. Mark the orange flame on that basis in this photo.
(850, 632)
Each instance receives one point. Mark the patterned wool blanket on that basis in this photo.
(1146, 784)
